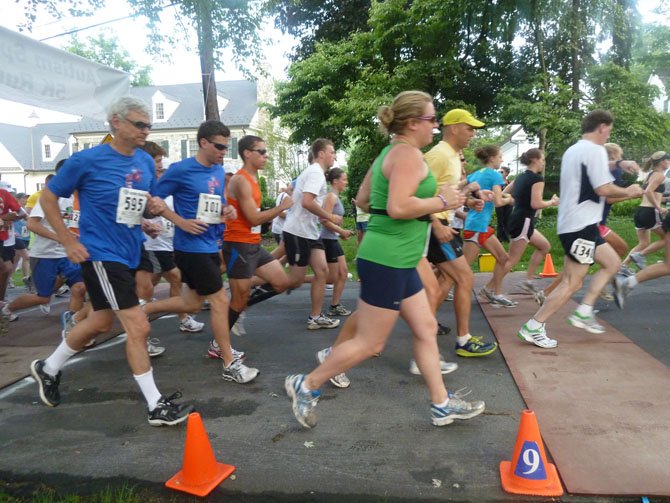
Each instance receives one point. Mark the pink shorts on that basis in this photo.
(603, 230)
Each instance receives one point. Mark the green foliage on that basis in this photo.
(105, 50)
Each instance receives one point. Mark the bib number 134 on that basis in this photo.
(583, 251)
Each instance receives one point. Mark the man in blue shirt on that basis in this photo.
(197, 187)
(114, 182)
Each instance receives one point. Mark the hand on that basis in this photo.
(487, 195)
(195, 227)
(346, 234)
(634, 190)
(336, 219)
(443, 233)
(473, 187)
(454, 197)
(476, 204)
(555, 200)
(76, 252)
(155, 205)
(229, 212)
(630, 167)
(286, 203)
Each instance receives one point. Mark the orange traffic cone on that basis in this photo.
(529, 472)
(548, 270)
(200, 473)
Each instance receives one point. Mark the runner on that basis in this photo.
(402, 185)
(197, 186)
(114, 181)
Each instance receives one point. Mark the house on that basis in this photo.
(662, 82)
(28, 154)
(516, 143)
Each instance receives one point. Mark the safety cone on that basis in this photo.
(548, 270)
(200, 473)
(529, 472)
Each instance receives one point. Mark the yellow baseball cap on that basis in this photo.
(460, 116)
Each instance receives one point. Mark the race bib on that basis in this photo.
(25, 233)
(73, 223)
(209, 208)
(583, 251)
(168, 228)
(130, 208)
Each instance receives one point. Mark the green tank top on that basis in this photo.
(389, 241)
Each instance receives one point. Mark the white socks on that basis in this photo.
(55, 362)
(148, 388)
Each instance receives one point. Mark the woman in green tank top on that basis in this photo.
(401, 195)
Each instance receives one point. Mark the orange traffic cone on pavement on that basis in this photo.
(200, 473)
(529, 472)
(548, 270)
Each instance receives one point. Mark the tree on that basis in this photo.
(106, 51)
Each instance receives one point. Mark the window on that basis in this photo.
(192, 147)
(166, 146)
(47, 151)
(232, 151)
(160, 112)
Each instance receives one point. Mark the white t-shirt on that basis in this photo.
(584, 168)
(278, 222)
(48, 248)
(299, 221)
(164, 241)
(11, 236)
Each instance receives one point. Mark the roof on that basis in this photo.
(242, 96)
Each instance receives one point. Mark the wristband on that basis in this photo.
(445, 204)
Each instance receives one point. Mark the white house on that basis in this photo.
(516, 144)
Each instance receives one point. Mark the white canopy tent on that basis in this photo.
(43, 76)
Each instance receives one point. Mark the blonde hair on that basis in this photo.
(655, 159)
(614, 151)
(406, 106)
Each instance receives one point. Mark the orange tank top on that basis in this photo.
(240, 230)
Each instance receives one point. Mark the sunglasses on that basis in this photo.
(261, 151)
(219, 146)
(429, 118)
(139, 124)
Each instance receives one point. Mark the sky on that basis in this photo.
(184, 66)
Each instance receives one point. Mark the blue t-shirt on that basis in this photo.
(21, 230)
(185, 181)
(98, 174)
(487, 178)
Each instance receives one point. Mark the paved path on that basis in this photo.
(374, 441)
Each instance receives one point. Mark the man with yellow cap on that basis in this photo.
(445, 250)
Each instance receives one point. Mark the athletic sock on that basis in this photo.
(533, 324)
(55, 362)
(261, 293)
(443, 404)
(148, 388)
(232, 317)
(585, 310)
(631, 281)
(463, 339)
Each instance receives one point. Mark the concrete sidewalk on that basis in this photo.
(374, 441)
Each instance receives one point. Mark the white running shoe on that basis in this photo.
(239, 372)
(189, 324)
(588, 323)
(537, 337)
(321, 321)
(340, 380)
(445, 367)
(153, 348)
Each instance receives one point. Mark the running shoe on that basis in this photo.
(303, 403)
(537, 337)
(476, 347)
(62, 291)
(443, 329)
(502, 301)
(588, 323)
(607, 293)
(189, 324)
(239, 372)
(66, 319)
(9, 315)
(321, 321)
(153, 348)
(215, 352)
(539, 297)
(238, 328)
(639, 260)
(10, 283)
(456, 408)
(626, 271)
(338, 310)
(340, 380)
(206, 306)
(487, 294)
(445, 367)
(621, 290)
(329, 287)
(168, 413)
(527, 286)
(45, 308)
(47, 383)
(450, 296)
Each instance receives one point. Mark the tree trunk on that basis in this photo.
(206, 49)
(539, 42)
(621, 34)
